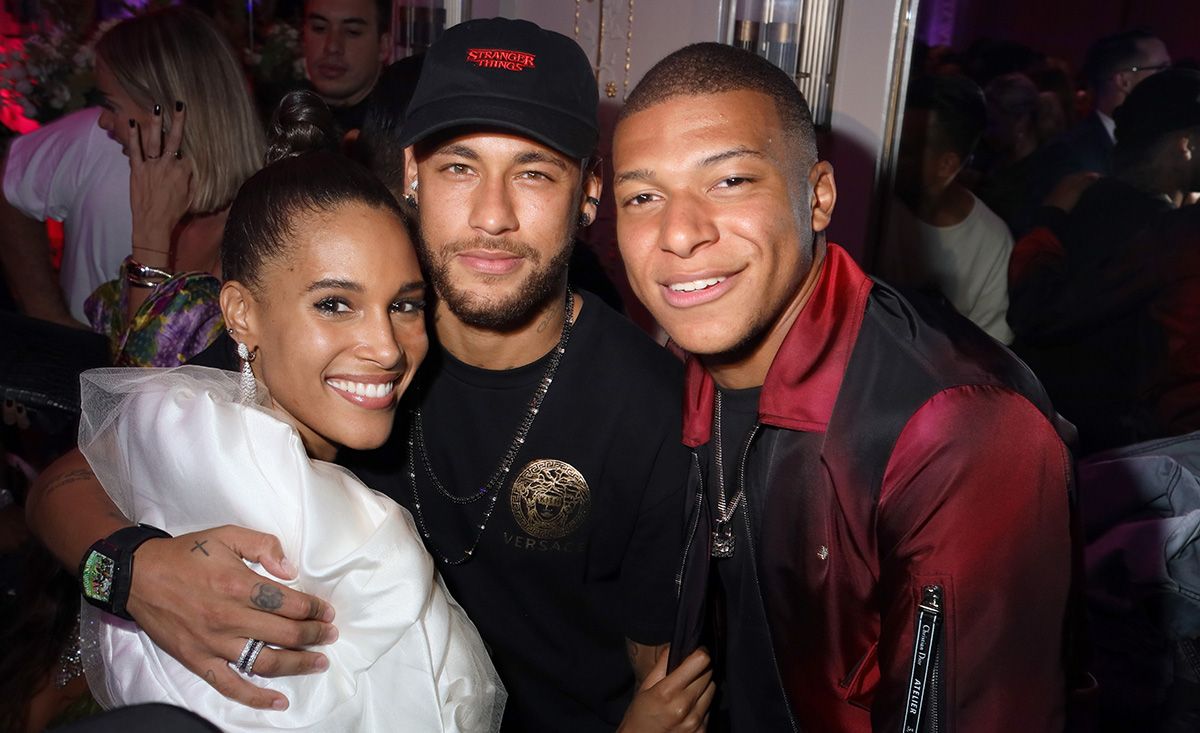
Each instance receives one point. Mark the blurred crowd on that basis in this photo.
(1058, 216)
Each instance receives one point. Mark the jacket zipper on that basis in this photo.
(741, 486)
(923, 699)
(691, 535)
(935, 690)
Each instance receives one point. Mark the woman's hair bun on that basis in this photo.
(302, 123)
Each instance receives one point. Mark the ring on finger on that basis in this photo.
(153, 157)
(248, 668)
(177, 155)
(247, 650)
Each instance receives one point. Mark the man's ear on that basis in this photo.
(385, 47)
(823, 194)
(593, 186)
(410, 173)
(240, 309)
(1187, 145)
(1123, 81)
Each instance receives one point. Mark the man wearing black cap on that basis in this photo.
(544, 465)
(540, 459)
(1090, 300)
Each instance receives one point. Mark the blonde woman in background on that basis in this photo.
(175, 98)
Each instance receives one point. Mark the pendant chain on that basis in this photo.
(491, 489)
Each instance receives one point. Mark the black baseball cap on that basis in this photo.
(507, 74)
(1163, 103)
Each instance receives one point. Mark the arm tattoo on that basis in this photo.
(200, 546)
(267, 597)
(70, 477)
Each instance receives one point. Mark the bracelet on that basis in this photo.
(144, 276)
(106, 571)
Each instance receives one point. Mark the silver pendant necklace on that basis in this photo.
(722, 533)
(490, 489)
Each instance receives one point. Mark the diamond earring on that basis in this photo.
(247, 387)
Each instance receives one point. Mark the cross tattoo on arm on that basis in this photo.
(200, 546)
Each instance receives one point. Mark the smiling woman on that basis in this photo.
(325, 301)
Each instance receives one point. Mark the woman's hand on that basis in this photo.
(160, 186)
(676, 702)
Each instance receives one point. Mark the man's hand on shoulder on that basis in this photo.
(199, 602)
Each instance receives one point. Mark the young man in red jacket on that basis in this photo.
(879, 525)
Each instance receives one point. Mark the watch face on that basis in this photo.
(98, 576)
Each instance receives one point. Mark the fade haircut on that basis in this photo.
(1113, 53)
(959, 110)
(713, 68)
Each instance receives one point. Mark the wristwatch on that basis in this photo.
(106, 571)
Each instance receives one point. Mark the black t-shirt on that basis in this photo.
(755, 702)
(570, 564)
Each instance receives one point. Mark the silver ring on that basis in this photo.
(152, 157)
(248, 668)
(247, 650)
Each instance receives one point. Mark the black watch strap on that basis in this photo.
(106, 571)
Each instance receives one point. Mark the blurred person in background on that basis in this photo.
(346, 44)
(175, 99)
(69, 171)
(1096, 300)
(941, 238)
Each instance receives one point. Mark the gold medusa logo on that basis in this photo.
(549, 499)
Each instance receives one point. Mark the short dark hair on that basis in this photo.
(1113, 53)
(379, 139)
(383, 15)
(712, 68)
(958, 106)
(304, 175)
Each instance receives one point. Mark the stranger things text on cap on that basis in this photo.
(511, 75)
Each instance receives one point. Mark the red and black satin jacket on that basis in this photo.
(899, 448)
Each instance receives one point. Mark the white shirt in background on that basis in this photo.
(71, 171)
(966, 262)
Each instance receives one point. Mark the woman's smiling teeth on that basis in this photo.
(688, 287)
(362, 390)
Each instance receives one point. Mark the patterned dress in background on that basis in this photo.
(177, 321)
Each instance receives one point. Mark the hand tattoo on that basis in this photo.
(267, 597)
(200, 546)
(210, 677)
